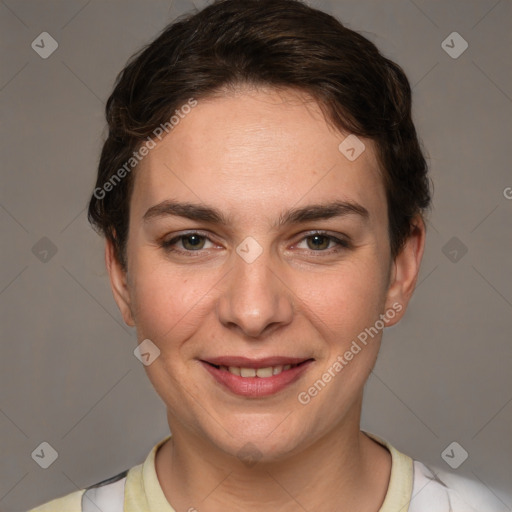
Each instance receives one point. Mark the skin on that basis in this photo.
(254, 154)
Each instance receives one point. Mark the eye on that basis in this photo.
(195, 242)
(190, 242)
(322, 242)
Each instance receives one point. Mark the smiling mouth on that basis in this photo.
(262, 372)
(256, 378)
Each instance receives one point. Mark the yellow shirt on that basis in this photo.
(143, 493)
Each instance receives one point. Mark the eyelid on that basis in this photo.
(340, 239)
(177, 237)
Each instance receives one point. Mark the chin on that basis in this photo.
(258, 441)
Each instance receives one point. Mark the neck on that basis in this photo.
(344, 470)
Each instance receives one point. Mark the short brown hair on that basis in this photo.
(278, 43)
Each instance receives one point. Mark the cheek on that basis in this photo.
(158, 300)
(343, 307)
(169, 309)
(169, 304)
(345, 301)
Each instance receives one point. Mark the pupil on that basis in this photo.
(193, 240)
(316, 238)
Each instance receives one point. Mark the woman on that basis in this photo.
(262, 192)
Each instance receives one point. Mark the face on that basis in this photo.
(258, 259)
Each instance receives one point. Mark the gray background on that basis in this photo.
(67, 369)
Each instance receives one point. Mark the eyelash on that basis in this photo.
(167, 245)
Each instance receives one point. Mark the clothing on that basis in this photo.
(413, 487)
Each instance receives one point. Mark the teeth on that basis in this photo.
(247, 372)
(234, 370)
(277, 369)
(263, 373)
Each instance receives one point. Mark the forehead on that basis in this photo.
(258, 150)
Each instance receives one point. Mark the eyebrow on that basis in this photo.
(301, 215)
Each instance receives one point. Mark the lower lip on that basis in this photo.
(256, 386)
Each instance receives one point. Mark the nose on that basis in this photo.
(255, 299)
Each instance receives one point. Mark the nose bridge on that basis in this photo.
(253, 297)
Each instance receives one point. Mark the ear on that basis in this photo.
(404, 271)
(118, 284)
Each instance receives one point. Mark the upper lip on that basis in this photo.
(245, 362)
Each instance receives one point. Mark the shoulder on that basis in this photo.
(109, 491)
(438, 489)
(416, 487)
(129, 486)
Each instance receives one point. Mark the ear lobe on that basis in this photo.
(118, 284)
(406, 267)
